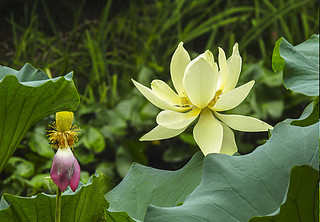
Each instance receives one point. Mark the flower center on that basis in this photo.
(185, 102)
(62, 133)
(63, 139)
(215, 98)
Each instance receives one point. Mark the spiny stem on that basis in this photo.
(58, 205)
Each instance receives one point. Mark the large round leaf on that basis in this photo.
(236, 188)
(27, 96)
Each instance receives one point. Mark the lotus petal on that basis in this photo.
(179, 62)
(233, 98)
(160, 133)
(243, 123)
(200, 82)
(175, 120)
(208, 133)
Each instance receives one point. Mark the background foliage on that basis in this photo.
(106, 43)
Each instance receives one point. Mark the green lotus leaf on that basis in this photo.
(143, 186)
(236, 188)
(300, 65)
(27, 96)
(301, 200)
(87, 203)
(233, 188)
(118, 217)
(312, 118)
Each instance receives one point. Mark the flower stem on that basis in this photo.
(58, 205)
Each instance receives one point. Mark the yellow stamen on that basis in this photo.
(215, 98)
(184, 102)
(62, 133)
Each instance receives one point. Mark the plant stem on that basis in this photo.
(58, 205)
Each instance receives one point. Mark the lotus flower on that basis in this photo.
(65, 168)
(203, 89)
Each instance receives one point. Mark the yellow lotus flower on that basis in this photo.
(203, 90)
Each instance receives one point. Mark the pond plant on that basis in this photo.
(203, 90)
(278, 181)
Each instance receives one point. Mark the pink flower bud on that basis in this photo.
(65, 169)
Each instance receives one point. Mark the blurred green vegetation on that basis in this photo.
(106, 43)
